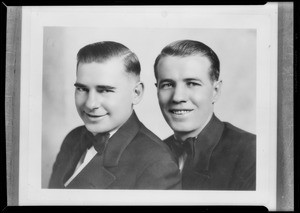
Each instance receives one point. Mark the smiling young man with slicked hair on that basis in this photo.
(113, 150)
(211, 154)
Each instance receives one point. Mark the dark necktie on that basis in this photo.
(99, 141)
(187, 146)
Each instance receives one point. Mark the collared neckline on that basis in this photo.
(120, 140)
(204, 125)
(206, 141)
(117, 142)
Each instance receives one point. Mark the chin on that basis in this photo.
(95, 130)
(180, 128)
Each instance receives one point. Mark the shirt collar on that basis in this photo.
(119, 139)
(111, 133)
(203, 127)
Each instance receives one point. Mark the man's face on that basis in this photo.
(104, 95)
(185, 93)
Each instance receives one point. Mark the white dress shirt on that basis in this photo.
(87, 156)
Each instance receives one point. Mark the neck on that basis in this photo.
(182, 136)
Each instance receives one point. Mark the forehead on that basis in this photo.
(183, 67)
(111, 71)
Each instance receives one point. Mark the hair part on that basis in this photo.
(102, 51)
(184, 48)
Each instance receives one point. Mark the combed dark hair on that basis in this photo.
(185, 48)
(105, 50)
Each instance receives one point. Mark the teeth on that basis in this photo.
(180, 112)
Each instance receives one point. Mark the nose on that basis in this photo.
(180, 94)
(92, 101)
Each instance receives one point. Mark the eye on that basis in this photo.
(104, 90)
(81, 89)
(193, 84)
(166, 85)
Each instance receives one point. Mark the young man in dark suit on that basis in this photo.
(113, 150)
(211, 154)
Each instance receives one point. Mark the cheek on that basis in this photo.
(202, 99)
(163, 97)
(118, 102)
(198, 101)
(79, 100)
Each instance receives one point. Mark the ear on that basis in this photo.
(217, 85)
(138, 92)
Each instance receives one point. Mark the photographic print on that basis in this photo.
(56, 116)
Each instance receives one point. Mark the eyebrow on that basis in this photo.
(79, 85)
(193, 79)
(98, 86)
(166, 80)
(185, 80)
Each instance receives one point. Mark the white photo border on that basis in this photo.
(262, 18)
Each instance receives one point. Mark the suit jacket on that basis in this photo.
(134, 158)
(225, 159)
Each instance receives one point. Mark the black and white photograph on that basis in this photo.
(61, 99)
(163, 105)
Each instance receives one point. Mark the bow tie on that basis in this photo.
(187, 146)
(99, 141)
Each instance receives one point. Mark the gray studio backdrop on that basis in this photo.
(236, 49)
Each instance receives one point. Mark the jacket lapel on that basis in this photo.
(70, 159)
(206, 142)
(198, 173)
(192, 178)
(93, 176)
(96, 173)
(120, 140)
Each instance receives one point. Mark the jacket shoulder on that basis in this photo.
(169, 141)
(73, 137)
(150, 143)
(238, 134)
(76, 131)
(239, 141)
(144, 130)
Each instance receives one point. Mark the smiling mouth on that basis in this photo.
(180, 112)
(94, 116)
